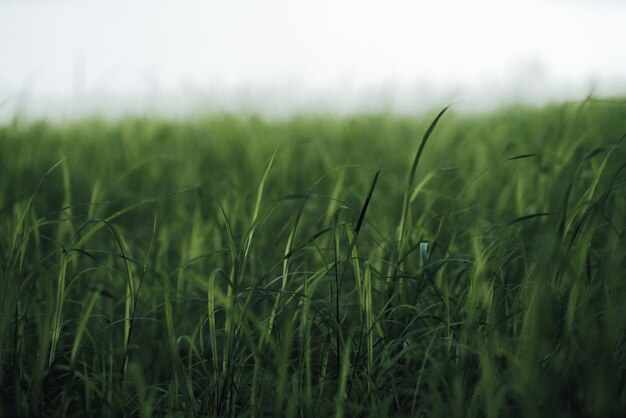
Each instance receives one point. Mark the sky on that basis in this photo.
(67, 59)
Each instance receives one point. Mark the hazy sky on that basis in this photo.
(68, 58)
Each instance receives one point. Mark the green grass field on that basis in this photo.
(363, 266)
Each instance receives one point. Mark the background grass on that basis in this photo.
(316, 266)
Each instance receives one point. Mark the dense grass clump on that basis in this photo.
(363, 266)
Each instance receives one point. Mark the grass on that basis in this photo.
(366, 266)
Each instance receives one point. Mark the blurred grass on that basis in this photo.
(211, 267)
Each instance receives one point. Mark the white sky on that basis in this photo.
(69, 58)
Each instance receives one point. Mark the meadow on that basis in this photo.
(377, 265)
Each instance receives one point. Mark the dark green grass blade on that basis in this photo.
(366, 204)
(531, 216)
(522, 156)
(308, 241)
(420, 150)
(411, 179)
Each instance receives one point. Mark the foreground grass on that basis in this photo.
(368, 266)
